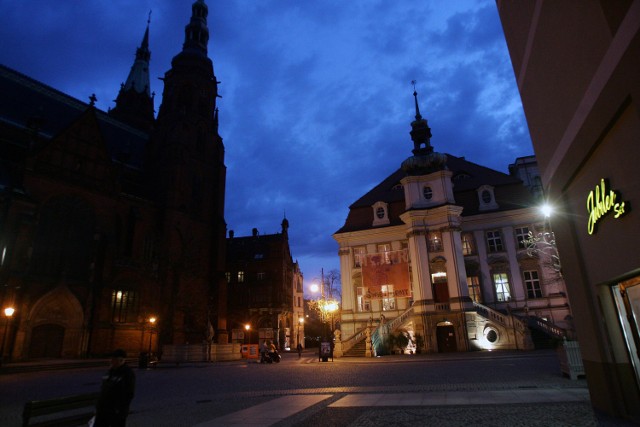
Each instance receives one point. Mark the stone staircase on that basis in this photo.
(358, 350)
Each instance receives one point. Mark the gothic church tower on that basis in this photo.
(186, 157)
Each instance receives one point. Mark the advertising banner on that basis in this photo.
(389, 270)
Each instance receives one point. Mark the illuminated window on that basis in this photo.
(385, 249)
(501, 283)
(240, 276)
(467, 244)
(435, 241)
(124, 306)
(227, 276)
(494, 241)
(522, 235)
(363, 303)
(358, 256)
(388, 303)
(532, 283)
(473, 283)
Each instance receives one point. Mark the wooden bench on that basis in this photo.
(73, 410)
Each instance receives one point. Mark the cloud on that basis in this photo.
(316, 96)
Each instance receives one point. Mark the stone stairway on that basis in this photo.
(358, 350)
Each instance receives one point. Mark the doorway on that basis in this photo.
(446, 336)
(46, 341)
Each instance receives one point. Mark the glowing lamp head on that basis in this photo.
(9, 311)
(546, 210)
(314, 288)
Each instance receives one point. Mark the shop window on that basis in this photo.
(532, 283)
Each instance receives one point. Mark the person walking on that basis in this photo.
(116, 393)
(299, 350)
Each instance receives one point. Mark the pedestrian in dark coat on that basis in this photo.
(118, 388)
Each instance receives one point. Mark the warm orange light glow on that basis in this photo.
(247, 326)
(152, 320)
(9, 311)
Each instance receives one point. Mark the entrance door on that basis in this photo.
(446, 338)
(46, 341)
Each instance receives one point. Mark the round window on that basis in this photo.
(492, 336)
(486, 196)
(427, 192)
(380, 213)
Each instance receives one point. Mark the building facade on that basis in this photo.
(577, 68)
(447, 253)
(265, 289)
(111, 219)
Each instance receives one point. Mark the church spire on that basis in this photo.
(134, 103)
(424, 159)
(420, 130)
(196, 33)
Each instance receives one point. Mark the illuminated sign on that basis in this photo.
(600, 202)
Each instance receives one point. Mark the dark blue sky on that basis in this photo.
(316, 95)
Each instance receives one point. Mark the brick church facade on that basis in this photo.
(109, 219)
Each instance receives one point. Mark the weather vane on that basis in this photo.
(413, 82)
(149, 19)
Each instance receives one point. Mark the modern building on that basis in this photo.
(450, 254)
(110, 219)
(265, 289)
(577, 66)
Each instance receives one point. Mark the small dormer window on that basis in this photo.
(427, 192)
(487, 198)
(380, 214)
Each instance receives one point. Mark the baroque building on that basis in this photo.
(109, 219)
(265, 289)
(448, 253)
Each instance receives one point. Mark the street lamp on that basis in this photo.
(300, 323)
(152, 320)
(247, 327)
(8, 312)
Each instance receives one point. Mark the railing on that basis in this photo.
(378, 336)
(547, 327)
(353, 340)
(443, 306)
(491, 314)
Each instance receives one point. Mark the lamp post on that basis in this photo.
(247, 327)
(8, 312)
(152, 320)
(300, 323)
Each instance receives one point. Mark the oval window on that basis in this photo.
(492, 336)
(427, 192)
(486, 196)
(380, 213)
